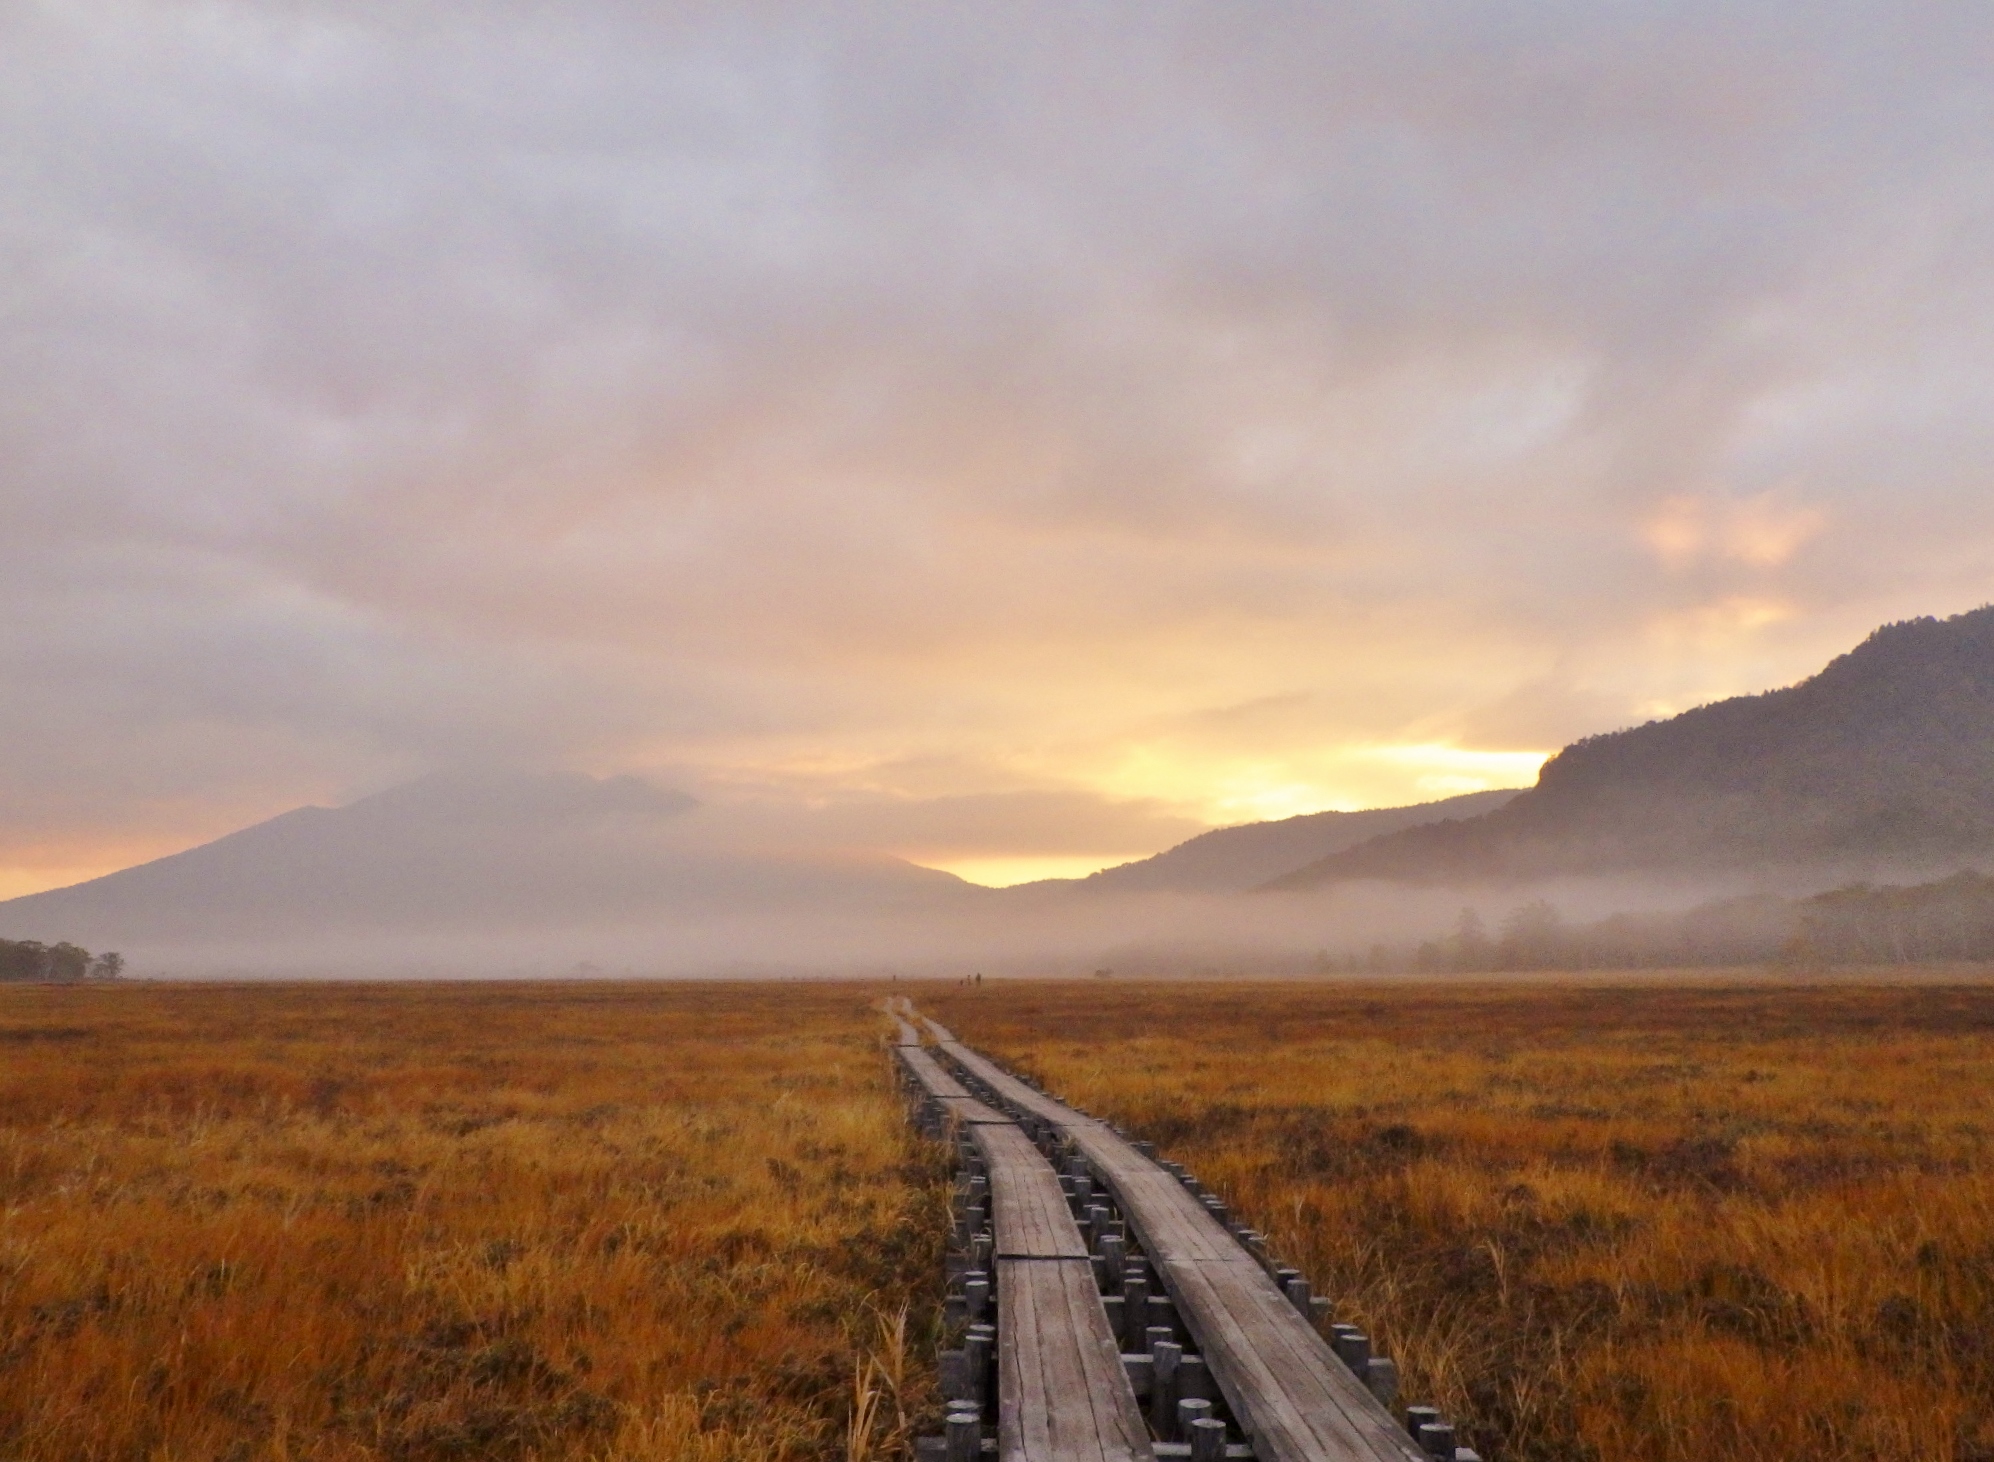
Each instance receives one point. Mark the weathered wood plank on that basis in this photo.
(1291, 1395)
(1029, 1215)
(1295, 1399)
(929, 1073)
(1063, 1395)
(946, 1090)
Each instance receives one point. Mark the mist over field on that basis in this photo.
(1710, 837)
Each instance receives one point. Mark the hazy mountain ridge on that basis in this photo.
(483, 851)
(1236, 859)
(1883, 759)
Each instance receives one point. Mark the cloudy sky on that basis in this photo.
(1023, 434)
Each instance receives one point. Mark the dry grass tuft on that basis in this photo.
(441, 1223)
(1592, 1222)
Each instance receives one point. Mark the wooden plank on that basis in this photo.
(905, 1034)
(1290, 1398)
(1063, 1395)
(929, 1073)
(1296, 1401)
(946, 1090)
(1029, 1215)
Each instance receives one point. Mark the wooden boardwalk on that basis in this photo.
(1292, 1396)
(1063, 1392)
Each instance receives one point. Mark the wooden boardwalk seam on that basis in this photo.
(1295, 1398)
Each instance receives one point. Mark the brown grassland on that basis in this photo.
(1591, 1220)
(439, 1222)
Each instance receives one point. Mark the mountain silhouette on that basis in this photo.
(1882, 761)
(478, 852)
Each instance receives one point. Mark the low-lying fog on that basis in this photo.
(558, 876)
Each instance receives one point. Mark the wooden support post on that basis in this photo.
(1194, 1378)
(1438, 1439)
(962, 1434)
(952, 1370)
(1166, 1354)
(1135, 1308)
(1382, 1376)
(1353, 1347)
(1114, 1253)
(978, 1347)
(1208, 1440)
(1190, 1411)
(1299, 1296)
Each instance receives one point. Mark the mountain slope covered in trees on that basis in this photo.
(1883, 760)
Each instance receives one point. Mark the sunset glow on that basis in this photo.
(1013, 443)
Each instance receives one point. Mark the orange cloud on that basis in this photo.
(1764, 531)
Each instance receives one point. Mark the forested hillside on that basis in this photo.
(1884, 760)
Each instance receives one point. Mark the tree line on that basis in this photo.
(1947, 919)
(24, 960)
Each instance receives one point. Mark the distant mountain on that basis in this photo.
(1235, 859)
(1884, 760)
(466, 852)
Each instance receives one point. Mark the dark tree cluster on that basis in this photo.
(62, 964)
(1952, 919)
(1948, 919)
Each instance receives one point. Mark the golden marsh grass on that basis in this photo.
(436, 1222)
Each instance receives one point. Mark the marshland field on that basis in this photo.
(1592, 1219)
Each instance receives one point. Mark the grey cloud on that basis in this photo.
(385, 387)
